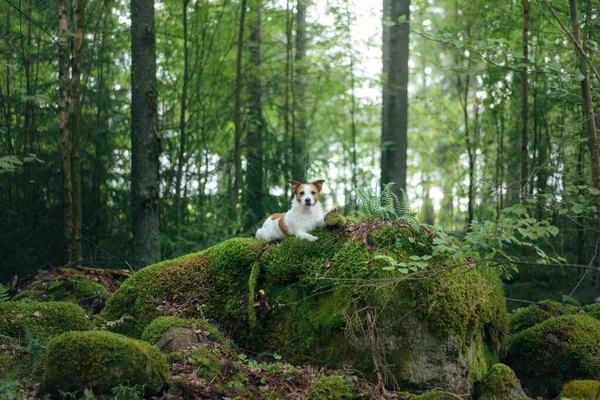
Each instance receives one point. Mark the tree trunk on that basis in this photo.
(288, 62)
(145, 143)
(74, 119)
(27, 120)
(352, 107)
(395, 94)
(237, 112)
(299, 137)
(524, 103)
(182, 122)
(588, 106)
(65, 138)
(255, 179)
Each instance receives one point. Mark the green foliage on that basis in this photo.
(330, 387)
(4, 293)
(9, 389)
(102, 361)
(208, 362)
(124, 392)
(436, 395)
(555, 351)
(385, 206)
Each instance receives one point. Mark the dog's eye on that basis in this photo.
(313, 192)
(301, 193)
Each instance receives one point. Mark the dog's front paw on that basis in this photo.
(312, 238)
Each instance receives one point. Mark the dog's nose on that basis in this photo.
(307, 200)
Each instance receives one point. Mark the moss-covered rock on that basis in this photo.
(556, 351)
(155, 330)
(593, 310)
(74, 288)
(42, 320)
(332, 387)
(581, 390)
(435, 395)
(312, 300)
(500, 383)
(523, 318)
(207, 361)
(102, 360)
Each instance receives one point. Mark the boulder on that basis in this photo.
(331, 387)
(500, 383)
(40, 320)
(556, 351)
(100, 361)
(173, 334)
(581, 390)
(523, 318)
(318, 301)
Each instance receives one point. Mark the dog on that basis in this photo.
(304, 215)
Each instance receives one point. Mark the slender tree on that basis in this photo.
(255, 177)
(299, 135)
(237, 112)
(524, 102)
(395, 93)
(145, 143)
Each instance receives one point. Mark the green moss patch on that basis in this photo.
(332, 387)
(523, 318)
(42, 320)
(101, 361)
(556, 351)
(436, 395)
(581, 390)
(500, 383)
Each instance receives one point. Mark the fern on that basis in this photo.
(386, 206)
(3, 293)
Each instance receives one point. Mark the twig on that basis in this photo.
(371, 323)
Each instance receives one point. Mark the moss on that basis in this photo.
(498, 384)
(555, 351)
(252, 280)
(580, 390)
(102, 360)
(208, 362)
(523, 318)
(212, 283)
(160, 325)
(593, 310)
(331, 387)
(437, 395)
(335, 219)
(76, 288)
(41, 319)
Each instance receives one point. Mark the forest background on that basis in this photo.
(489, 95)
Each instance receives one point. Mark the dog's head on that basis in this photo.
(307, 194)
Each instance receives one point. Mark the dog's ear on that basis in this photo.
(319, 185)
(295, 185)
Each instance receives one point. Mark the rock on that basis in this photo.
(556, 351)
(581, 390)
(523, 318)
(445, 322)
(41, 320)
(500, 383)
(332, 387)
(173, 334)
(100, 361)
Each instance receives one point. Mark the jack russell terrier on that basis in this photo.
(305, 215)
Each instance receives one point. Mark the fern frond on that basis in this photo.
(4, 293)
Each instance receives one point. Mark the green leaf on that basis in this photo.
(403, 270)
(401, 19)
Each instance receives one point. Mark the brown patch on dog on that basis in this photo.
(295, 185)
(275, 216)
(301, 189)
(282, 227)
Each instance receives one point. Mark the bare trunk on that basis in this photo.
(182, 122)
(288, 62)
(237, 112)
(255, 191)
(353, 106)
(27, 120)
(145, 142)
(65, 138)
(524, 103)
(74, 127)
(299, 138)
(395, 94)
(588, 106)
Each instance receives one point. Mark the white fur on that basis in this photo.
(299, 220)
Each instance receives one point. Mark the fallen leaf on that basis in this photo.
(37, 314)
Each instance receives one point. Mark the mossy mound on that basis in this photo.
(90, 295)
(212, 283)
(102, 360)
(593, 310)
(523, 318)
(332, 387)
(42, 320)
(581, 390)
(310, 301)
(500, 383)
(556, 351)
(160, 325)
(435, 395)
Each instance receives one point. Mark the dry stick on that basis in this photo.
(580, 280)
(371, 323)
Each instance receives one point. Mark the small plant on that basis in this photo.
(124, 392)
(9, 389)
(387, 206)
(4, 293)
